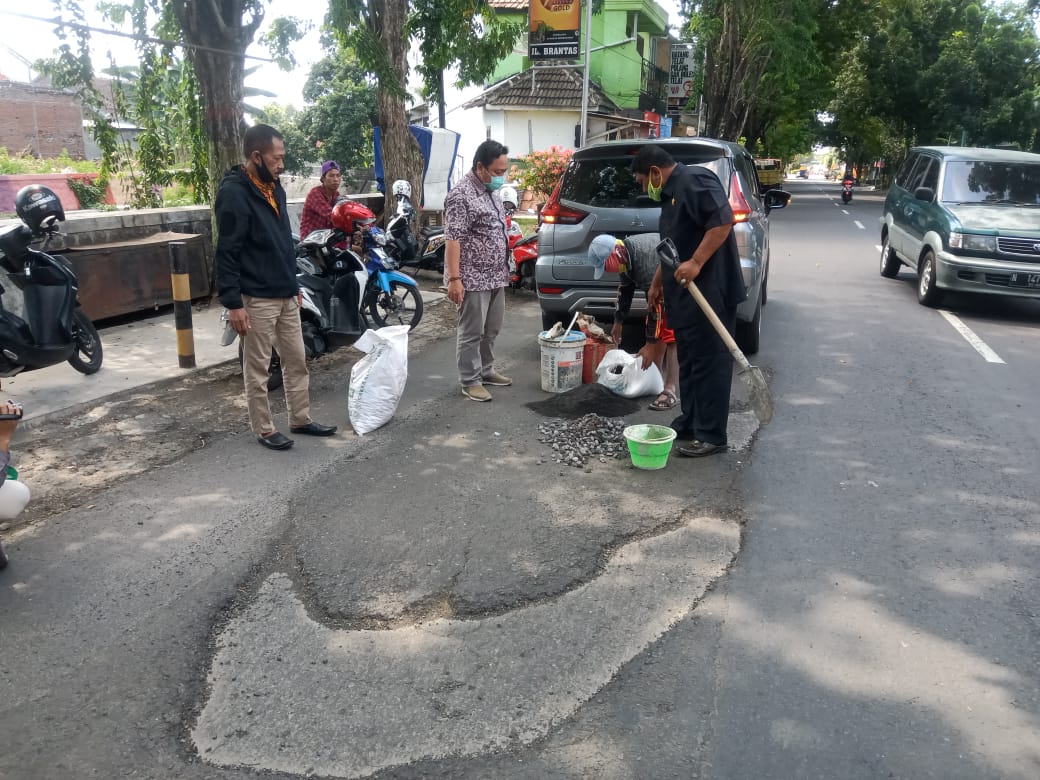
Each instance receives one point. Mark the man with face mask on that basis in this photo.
(476, 267)
(256, 281)
(696, 215)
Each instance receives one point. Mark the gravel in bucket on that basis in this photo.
(585, 399)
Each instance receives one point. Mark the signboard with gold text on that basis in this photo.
(555, 30)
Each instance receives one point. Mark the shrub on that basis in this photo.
(91, 195)
(540, 171)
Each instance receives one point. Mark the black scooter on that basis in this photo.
(422, 252)
(331, 286)
(54, 329)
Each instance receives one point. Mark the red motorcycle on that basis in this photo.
(523, 252)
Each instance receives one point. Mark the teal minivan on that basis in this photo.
(965, 219)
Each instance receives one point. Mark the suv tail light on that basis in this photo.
(555, 213)
(737, 201)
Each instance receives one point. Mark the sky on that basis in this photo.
(33, 40)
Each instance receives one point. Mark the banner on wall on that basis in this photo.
(554, 30)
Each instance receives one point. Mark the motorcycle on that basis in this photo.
(54, 329)
(425, 251)
(330, 311)
(846, 191)
(523, 252)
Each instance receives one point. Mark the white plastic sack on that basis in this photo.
(377, 380)
(624, 374)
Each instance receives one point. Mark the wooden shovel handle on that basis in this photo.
(717, 324)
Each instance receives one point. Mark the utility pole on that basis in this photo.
(585, 74)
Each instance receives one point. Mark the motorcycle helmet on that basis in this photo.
(402, 187)
(508, 197)
(38, 207)
(350, 215)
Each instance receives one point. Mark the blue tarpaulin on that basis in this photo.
(439, 148)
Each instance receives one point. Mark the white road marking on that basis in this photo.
(845, 211)
(877, 247)
(288, 694)
(859, 224)
(971, 337)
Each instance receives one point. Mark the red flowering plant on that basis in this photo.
(540, 171)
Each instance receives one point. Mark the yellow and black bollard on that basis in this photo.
(182, 304)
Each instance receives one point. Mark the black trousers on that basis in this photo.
(705, 374)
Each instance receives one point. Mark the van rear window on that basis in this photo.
(607, 182)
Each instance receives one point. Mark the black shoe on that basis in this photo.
(698, 449)
(276, 441)
(314, 429)
(3, 557)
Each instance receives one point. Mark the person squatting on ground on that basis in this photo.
(317, 208)
(256, 281)
(696, 215)
(636, 262)
(14, 495)
(476, 267)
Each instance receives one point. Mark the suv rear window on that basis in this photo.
(991, 182)
(606, 181)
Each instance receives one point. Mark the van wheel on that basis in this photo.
(548, 320)
(889, 262)
(749, 334)
(928, 294)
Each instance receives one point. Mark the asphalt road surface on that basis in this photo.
(850, 594)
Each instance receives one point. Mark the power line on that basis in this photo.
(58, 22)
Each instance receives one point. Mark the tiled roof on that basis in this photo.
(509, 5)
(545, 87)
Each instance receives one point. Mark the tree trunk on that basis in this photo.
(216, 36)
(402, 158)
(220, 79)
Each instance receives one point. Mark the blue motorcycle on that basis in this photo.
(391, 297)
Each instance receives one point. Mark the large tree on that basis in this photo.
(461, 33)
(213, 36)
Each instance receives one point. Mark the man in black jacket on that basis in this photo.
(696, 215)
(256, 281)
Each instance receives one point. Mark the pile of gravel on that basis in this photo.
(574, 442)
(585, 399)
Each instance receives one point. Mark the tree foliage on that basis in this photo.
(938, 71)
(342, 110)
(462, 33)
(466, 34)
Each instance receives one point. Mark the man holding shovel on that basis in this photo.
(696, 216)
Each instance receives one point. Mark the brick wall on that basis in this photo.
(41, 120)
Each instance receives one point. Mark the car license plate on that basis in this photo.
(1025, 280)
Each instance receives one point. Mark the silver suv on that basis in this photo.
(598, 194)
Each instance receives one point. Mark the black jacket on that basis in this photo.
(255, 253)
(693, 202)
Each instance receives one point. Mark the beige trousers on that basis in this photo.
(274, 322)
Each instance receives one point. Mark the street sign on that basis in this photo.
(680, 75)
(554, 28)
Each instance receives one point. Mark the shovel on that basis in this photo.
(761, 398)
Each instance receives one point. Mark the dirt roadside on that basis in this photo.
(67, 458)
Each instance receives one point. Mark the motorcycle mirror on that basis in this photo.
(668, 254)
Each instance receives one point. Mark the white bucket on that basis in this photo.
(561, 361)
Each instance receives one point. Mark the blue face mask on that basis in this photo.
(496, 183)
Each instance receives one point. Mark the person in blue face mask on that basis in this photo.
(476, 267)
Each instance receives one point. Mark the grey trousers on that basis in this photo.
(480, 320)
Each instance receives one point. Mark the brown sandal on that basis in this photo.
(669, 401)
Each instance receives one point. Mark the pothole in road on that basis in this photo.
(290, 694)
